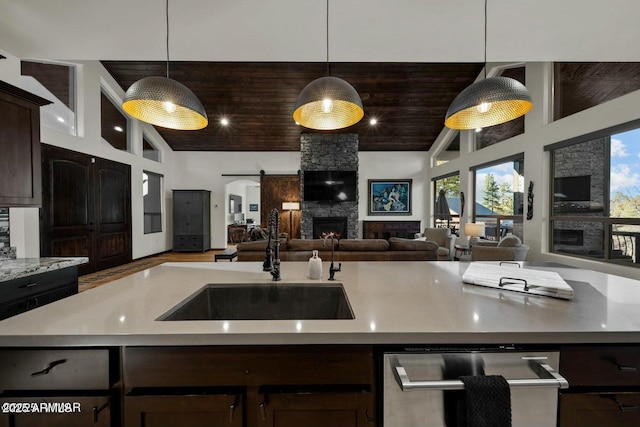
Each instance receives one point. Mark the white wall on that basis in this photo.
(539, 132)
(394, 165)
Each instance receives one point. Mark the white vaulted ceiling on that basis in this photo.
(294, 30)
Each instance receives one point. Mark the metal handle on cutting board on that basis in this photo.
(548, 377)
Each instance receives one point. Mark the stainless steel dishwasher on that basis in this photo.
(419, 384)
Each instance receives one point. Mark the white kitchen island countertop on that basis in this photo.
(413, 302)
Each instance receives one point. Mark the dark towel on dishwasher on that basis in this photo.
(487, 402)
(455, 366)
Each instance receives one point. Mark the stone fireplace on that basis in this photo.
(335, 224)
(326, 152)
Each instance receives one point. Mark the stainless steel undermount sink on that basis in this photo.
(264, 301)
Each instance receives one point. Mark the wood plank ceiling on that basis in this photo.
(409, 100)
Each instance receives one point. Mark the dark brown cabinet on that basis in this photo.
(191, 220)
(347, 407)
(56, 387)
(67, 411)
(26, 293)
(211, 410)
(604, 383)
(20, 178)
(303, 386)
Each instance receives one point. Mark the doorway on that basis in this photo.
(242, 210)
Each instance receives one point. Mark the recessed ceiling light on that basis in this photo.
(373, 122)
(118, 128)
(224, 121)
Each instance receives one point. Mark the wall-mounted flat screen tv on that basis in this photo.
(330, 186)
(572, 189)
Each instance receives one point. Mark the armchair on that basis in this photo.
(509, 248)
(443, 238)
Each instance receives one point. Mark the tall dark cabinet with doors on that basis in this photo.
(191, 220)
(86, 208)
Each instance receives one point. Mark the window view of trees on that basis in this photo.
(499, 198)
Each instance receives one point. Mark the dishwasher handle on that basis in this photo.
(547, 377)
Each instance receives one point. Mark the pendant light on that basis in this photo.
(164, 102)
(489, 102)
(328, 103)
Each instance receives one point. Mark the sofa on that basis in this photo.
(509, 248)
(394, 249)
(443, 238)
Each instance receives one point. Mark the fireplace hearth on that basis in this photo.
(335, 224)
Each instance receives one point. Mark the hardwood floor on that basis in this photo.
(98, 278)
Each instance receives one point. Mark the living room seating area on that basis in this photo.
(394, 249)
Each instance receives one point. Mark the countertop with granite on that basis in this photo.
(15, 268)
(413, 302)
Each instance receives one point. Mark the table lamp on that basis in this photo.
(290, 206)
(474, 230)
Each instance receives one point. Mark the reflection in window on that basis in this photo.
(581, 85)
(114, 124)
(149, 151)
(56, 83)
(450, 151)
(596, 198)
(4, 227)
(447, 216)
(499, 194)
(152, 202)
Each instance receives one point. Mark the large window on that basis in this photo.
(114, 123)
(56, 83)
(450, 151)
(499, 194)
(152, 202)
(595, 211)
(578, 86)
(447, 206)
(149, 150)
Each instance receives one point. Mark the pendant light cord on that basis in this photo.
(327, 32)
(166, 9)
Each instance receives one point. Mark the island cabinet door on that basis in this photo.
(316, 409)
(183, 410)
(67, 411)
(600, 409)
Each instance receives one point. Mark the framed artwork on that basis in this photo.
(389, 197)
(253, 207)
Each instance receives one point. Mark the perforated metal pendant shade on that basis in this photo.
(165, 102)
(311, 110)
(505, 98)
